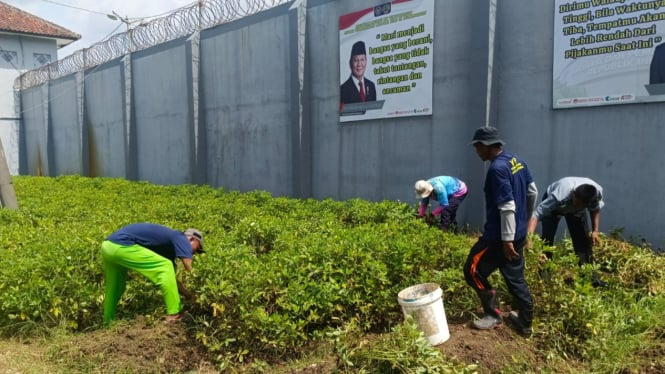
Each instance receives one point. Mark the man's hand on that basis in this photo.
(190, 297)
(530, 231)
(542, 258)
(186, 294)
(183, 291)
(594, 238)
(509, 251)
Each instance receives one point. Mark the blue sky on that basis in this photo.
(92, 23)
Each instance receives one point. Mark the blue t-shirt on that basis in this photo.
(507, 179)
(162, 240)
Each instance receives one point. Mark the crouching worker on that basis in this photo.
(571, 198)
(149, 249)
(449, 192)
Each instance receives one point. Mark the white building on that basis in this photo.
(26, 42)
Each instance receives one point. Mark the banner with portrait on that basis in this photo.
(385, 65)
(608, 52)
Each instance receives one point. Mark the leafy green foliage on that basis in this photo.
(404, 350)
(600, 326)
(280, 273)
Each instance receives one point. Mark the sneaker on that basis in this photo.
(487, 322)
(518, 325)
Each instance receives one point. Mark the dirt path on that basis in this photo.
(157, 347)
(491, 350)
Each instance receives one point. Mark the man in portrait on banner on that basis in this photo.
(357, 88)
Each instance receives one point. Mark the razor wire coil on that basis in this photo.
(184, 21)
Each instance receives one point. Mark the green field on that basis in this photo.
(287, 283)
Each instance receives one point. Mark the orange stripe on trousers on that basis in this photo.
(474, 264)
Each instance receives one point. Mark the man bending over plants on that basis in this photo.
(510, 196)
(571, 198)
(149, 249)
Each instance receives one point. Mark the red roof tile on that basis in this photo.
(18, 21)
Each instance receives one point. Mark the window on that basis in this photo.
(41, 59)
(8, 57)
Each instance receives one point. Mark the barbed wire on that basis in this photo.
(184, 21)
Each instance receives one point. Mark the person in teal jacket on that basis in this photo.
(151, 250)
(449, 192)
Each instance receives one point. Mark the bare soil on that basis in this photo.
(142, 346)
(137, 347)
(491, 350)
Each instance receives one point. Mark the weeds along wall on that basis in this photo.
(253, 104)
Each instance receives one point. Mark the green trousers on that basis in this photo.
(120, 258)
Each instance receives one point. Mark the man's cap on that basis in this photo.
(423, 188)
(487, 135)
(196, 234)
(358, 49)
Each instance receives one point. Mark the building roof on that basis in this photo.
(17, 21)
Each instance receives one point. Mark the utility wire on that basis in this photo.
(74, 7)
(127, 18)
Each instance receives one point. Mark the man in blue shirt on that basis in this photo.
(510, 196)
(151, 250)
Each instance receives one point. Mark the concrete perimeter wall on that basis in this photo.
(229, 107)
(617, 146)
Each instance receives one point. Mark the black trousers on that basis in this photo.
(578, 229)
(485, 257)
(449, 213)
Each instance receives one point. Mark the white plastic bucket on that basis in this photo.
(423, 302)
